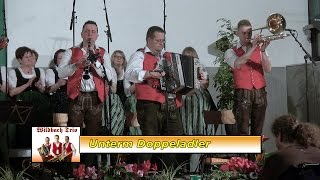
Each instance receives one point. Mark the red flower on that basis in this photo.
(241, 165)
(145, 167)
(75, 172)
(225, 167)
(154, 167)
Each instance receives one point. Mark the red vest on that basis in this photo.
(56, 148)
(68, 149)
(250, 75)
(144, 91)
(73, 83)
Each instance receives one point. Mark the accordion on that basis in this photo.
(182, 74)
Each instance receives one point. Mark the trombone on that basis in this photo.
(276, 24)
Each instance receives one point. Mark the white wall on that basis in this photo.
(44, 24)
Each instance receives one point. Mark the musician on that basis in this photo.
(82, 91)
(151, 111)
(27, 84)
(34, 56)
(57, 88)
(68, 149)
(119, 63)
(193, 106)
(47, 145)
(248, 60)
(57, 147)
(86, 85)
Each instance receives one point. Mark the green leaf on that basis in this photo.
(223, 79)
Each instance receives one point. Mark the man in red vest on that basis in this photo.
(68, 150)
(87, 88)
(56, 147)
(88, 68)
(249, 61)
(151, 111)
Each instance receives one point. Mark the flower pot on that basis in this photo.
(227, 116)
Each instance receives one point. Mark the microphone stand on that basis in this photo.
(7, 144)
(108, 32)
(164, 19)
(166, 81)
(108, 120)
(306, 57)
(73, 21)
(6, 56)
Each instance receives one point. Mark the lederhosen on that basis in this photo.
(59, 99)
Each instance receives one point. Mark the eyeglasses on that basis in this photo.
(118, 57)
(160, 40)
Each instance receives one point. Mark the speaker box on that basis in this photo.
(314, 19)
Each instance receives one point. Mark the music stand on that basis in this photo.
(17, 112)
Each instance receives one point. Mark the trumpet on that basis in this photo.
(271, 37)
(276, 24)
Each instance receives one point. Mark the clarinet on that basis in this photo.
(88, 62)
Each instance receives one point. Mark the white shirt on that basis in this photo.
(66, 69)
(50, 77)
(13, 77)
(3, 74)
(134, 72)
(230, 56)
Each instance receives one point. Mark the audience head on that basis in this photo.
(58, 56)
(283, 129)
(24, 56)
(307, 134)
(288, 130)
(155, 39)
(190, 51)
(244, 32)
(34, 56)
(118, 59)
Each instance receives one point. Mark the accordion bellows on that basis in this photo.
(182, 74)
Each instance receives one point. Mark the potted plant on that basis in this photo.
(7, 174)
(223, 80)
(237, 168)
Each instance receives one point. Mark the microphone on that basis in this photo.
(290, 30)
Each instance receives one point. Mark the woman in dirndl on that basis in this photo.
(27, 84)
(192, 110)
(57, 89)
(126, 90)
